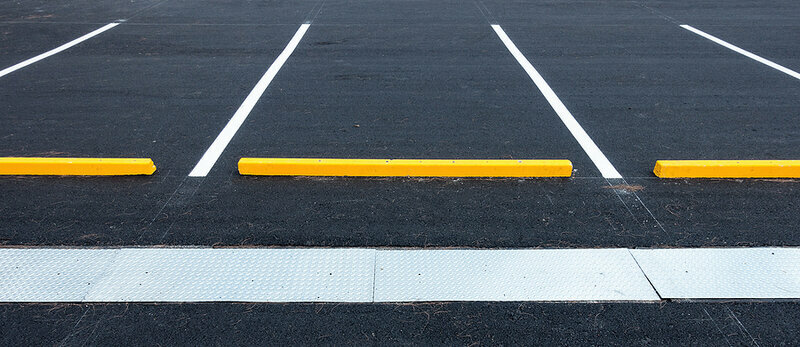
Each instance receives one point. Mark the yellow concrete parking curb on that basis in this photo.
(404, 167)
(727, 168)
(76, 166)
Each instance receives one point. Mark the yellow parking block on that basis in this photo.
(404, 167)
(727, 168)
(77, 166)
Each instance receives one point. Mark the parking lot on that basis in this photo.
(403, 79)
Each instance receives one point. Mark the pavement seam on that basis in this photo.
(648, 214)
(312, 15)
(485, 12)
(644, 274)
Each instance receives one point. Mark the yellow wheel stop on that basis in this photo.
(76, 166)
(404, 167)
(727, 168)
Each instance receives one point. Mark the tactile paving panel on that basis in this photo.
(51, 275)
(722, 273)
(509, 275)
(255, 275)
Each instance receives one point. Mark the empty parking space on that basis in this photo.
(109, 97)
(652, 92)
(443, 94)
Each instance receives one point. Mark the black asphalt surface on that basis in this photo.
(622, 324)
(400, 79)
(77, 11)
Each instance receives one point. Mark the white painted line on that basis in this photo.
(51, 275)
(317, 275)
(212, 154)
(56, 50)
(510, 275)
(255, 275)
(591, 149)
(186, 275)
(761, 60)
(155, 274)
(720, 273)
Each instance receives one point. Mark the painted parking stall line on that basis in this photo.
(743, 52)
(221, 142)
(598, 158)
(57, 50)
